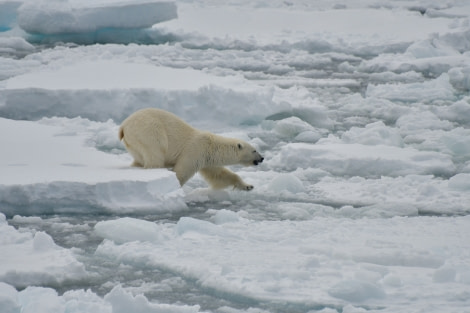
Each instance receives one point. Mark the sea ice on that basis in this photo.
(459, 77)
(116, 88)
(438, 89)
(77, 177)
(31, 259)
(119, 74)
(362, 160)
(47, 300)
(286, 183)
(376, 133)
(8, 14)
(360, 108)
(356, 291)
(460, 182)
(128, 229)
(13, 45)
(270, 259)
(316, 30)
(66, 17)
(124, 302)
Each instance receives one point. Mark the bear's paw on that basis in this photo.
(244, 186)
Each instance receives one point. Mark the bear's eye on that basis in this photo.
(254, 151)
(240, 146)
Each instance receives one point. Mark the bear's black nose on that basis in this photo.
(256, 162)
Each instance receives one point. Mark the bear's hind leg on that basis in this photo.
(136, 164)
(138, 160)
(154, 160)
(220, 177)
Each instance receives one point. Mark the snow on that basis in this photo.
(361, 110)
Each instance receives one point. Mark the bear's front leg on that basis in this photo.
(185, 168)
(220, 177)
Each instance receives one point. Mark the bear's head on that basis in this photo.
(248, 155)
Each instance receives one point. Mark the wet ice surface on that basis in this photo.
(362, 113)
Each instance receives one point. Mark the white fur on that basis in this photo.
(157, 139)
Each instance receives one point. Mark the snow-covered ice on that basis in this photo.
(360, 108)
(65, 17)
(47, 21)
(108, 85)
(50, 166)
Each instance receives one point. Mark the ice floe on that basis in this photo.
(53, 168)
(296, 262)
(84, 21)
(115, 89)
(361, 110)
(31, 259)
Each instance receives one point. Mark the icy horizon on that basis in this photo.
(360, 108)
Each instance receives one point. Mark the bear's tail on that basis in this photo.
(121, 133)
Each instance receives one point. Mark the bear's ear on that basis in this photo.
(239, 145)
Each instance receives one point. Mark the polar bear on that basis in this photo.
(159, 139)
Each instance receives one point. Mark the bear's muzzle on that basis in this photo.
(256, 162)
